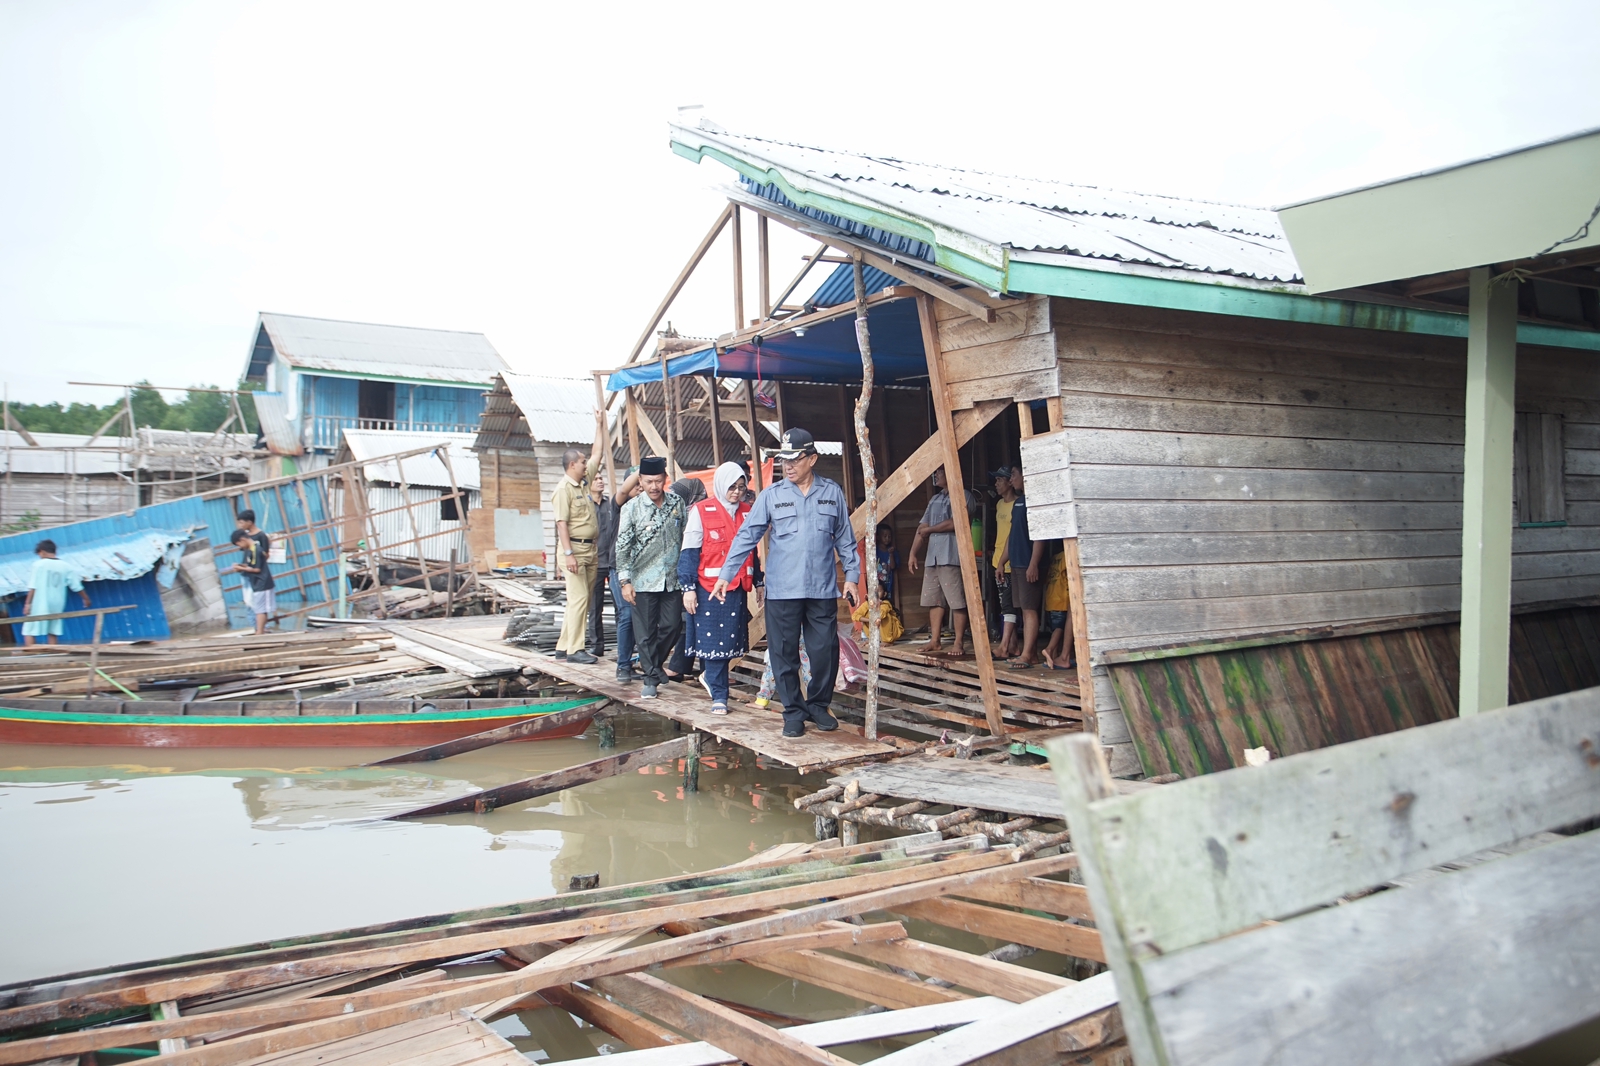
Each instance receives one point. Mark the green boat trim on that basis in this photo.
(90, 718)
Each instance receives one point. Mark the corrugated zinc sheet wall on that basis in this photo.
(147, 620)
(438, 534)
(277, 509)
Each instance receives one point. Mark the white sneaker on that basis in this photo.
(706, 685)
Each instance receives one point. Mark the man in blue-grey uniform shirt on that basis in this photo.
(810, 523)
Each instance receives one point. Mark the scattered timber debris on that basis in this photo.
(401, 990)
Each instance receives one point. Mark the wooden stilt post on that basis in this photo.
(691, 763)
(958, 510)
(738, 271)
(633, 429)
(869, 485)
(666, 403)
(764, 257)
(755, 437)
(716, 424)
(849, 484)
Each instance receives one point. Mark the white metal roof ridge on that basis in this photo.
(984, 215)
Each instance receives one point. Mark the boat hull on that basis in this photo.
(414, 729)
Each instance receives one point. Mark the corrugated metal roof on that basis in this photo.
(116, 558)
(371, 350)
(272, 415)
(840, 286)
(978, 214)
(51, 457)
(427, 470)
(558, 410)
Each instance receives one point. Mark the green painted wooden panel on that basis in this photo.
(1196, 714)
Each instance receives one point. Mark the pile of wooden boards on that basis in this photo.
(221, 666)
(416, 991)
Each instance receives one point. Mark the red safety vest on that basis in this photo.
(719, 527)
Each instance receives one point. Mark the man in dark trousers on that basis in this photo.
(810, 523)
(649, 538)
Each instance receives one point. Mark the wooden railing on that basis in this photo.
(326, 429)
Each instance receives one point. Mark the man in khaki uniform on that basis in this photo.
(577, 529)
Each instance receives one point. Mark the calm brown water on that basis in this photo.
(116, 855)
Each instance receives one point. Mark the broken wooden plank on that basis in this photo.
(534, 787)
(342, 1021)
(852, 1030)
(746, 1038)
(1023, 1021)
(530, 727)
(1044, 933)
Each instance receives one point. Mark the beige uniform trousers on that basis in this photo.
(580, 586)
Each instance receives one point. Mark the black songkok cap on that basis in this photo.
(653, 464)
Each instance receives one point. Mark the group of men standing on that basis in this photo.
(673, 560)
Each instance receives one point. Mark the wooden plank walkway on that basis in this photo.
(985, 786)
(759, 731)
(963, 783)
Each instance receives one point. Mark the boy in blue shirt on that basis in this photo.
(47, 593)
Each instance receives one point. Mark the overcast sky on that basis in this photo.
(169, 169)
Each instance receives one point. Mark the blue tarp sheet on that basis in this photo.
(827, 354)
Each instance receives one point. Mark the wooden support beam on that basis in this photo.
(631, 1028)
(978, 631)
(738, 270)
(724, 1027)
(846, 435)
(653, 435)
(633, 430)
(605, 434)
(19, 429)
(528, 727)
(678, 282)
(988, 976)
(1025, 420)
(920, 465)
(716, 422)
(1079, 612)
(764, 259)
(1046, 934)
(755, 435)
(975, 302)
(544, 784)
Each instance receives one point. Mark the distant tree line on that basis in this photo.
(202, 412)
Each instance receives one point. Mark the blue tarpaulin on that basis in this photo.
(827, 353)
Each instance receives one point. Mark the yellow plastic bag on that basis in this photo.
(890, 628)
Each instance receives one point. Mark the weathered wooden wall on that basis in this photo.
(1238, 476)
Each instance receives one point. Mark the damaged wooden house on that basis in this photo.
(1260, 490)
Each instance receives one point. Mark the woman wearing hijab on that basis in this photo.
(721, 631)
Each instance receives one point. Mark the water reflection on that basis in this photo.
(118, 855)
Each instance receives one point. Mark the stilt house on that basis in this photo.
(1260, 490)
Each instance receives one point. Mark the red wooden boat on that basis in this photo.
(270, 724)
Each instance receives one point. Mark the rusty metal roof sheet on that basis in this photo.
(979, 214)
